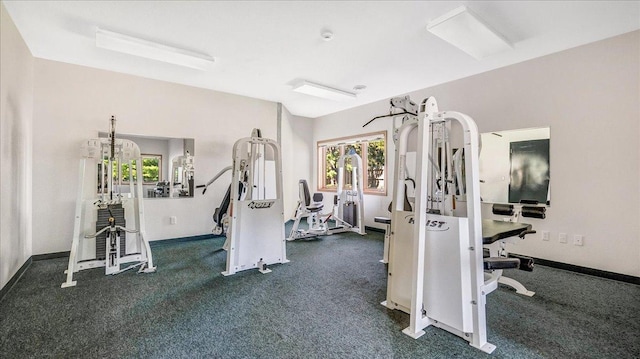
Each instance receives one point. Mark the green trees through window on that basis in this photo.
(331, 156)
(376, 164)
(151, 169)
(370, 147)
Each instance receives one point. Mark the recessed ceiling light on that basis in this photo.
(138, 47)
(466, 31)
(359, 87)
(330, 93)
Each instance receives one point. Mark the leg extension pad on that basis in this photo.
(492, 263)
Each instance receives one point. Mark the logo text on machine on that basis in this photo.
(260, 204)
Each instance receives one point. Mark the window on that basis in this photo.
(371, 147)
(151, 165)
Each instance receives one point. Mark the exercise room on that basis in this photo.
(320, 179)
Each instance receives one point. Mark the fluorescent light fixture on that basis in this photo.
(322, 91)
(138, 47)
(464, 30)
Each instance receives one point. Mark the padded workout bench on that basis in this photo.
(494, 234)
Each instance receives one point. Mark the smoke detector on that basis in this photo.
(326, 35)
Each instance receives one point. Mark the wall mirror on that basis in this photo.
(514, 166)
(167, 171)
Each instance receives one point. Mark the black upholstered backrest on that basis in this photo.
(224, 207)
(305, 196)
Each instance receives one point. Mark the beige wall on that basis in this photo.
(590, 98)
(297, 140)
(16, 106)
(73, 103)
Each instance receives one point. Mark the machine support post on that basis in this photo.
(419, 229)
(76, 228)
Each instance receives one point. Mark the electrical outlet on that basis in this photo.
(545, 235)
(562, 238)
(173, 219)
(578, 239)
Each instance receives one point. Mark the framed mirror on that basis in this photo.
(167, 162)
(515, 166)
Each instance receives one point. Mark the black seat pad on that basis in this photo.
(315, 207)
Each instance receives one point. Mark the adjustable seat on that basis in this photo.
(305, 197)
(312, 210)
(496, 257)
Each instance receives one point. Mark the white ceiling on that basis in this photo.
(261, 47)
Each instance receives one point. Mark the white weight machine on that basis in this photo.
(255, 237)
(348, 205)
(252, 211)
(101, 237)
(181, 170)
(444, 282)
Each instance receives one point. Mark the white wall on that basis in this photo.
(16, 111)
(297, 157)
(589, 96)
(73, 103)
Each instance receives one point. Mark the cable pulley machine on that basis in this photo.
(443, 284)
(101, 237)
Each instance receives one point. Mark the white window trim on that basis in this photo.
(357, 139)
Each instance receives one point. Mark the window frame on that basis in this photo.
(362, 140)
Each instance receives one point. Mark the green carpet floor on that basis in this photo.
(325, 303)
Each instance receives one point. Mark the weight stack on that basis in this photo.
(103, 220)
(350, 213)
